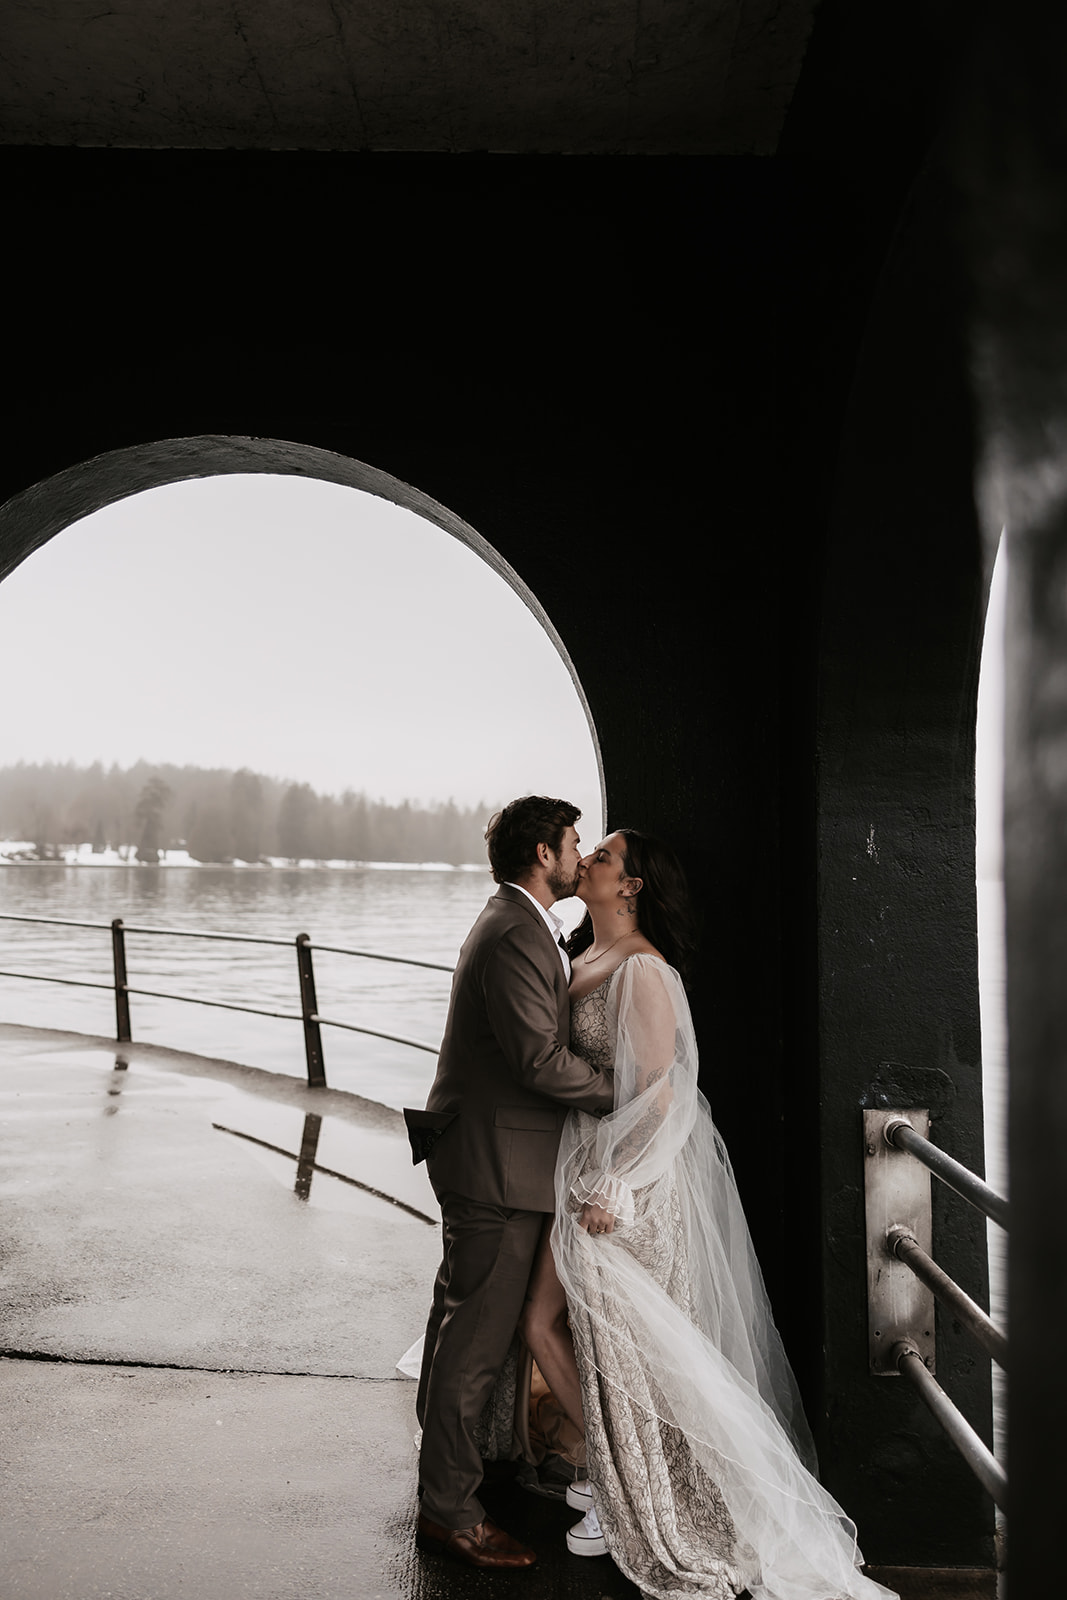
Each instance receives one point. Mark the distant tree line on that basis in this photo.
(223, 816)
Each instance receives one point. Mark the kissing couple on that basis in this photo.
(588, 1203)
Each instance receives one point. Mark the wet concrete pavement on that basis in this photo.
(158, 1211)
(134, 1484)
(200, 1327)
(210, 1273)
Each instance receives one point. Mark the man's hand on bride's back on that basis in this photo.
(594, 1219)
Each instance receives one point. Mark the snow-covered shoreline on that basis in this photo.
(22, 853)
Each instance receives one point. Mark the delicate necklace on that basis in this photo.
(587, 959)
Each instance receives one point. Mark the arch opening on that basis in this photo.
(30, 519)
(33, 518)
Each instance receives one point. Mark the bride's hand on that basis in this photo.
(594, 1219)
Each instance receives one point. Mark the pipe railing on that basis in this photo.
(981, 1460)
(903, 1136)
(308, 1014)
(904, 1280)
(947, 1292)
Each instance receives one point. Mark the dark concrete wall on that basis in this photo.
(878, 360)
(903, 612)
(631, 378)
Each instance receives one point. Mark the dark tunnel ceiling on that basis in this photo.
(685, 76)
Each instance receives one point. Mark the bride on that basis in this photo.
(647, 1314)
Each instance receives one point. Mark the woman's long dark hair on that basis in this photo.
(664, 910)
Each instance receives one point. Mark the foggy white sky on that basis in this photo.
(303, 629)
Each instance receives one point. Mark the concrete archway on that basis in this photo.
(30, 519)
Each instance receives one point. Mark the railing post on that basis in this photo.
(310, 1012)
(122, 993)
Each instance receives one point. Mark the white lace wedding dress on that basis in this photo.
(700, 1458)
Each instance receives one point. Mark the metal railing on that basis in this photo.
(904, 1281)
(308, 1015)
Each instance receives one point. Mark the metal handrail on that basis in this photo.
(54, 922)
(376, 955)
(43, 977)
(892, 1305)
(308, 1014)
(900, 1133)
(235, 938)
(375, 1033)
(982, 1329)
(981, 1460)
(219, 1005)
(158, 994)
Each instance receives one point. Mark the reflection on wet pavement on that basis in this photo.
(306, 1166)
(115, 1086)
(224, 1220)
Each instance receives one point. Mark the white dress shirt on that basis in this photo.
(552, 923)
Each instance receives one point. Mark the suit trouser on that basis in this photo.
(478, 1298)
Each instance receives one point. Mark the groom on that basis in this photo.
(489, 1135)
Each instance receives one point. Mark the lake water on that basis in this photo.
(424, 914)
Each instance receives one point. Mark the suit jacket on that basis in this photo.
(505, 1077)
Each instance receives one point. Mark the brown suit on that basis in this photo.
(490, 1133)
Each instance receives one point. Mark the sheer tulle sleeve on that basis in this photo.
(655, 1084)
(672, 1302)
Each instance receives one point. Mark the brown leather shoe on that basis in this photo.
(483, 1546)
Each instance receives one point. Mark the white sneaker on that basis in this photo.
(580, 1494)
(585, 1538)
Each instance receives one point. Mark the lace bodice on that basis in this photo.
(590, 1035)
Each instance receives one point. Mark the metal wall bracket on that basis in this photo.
(897, 1192)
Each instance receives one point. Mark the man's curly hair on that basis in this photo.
(514, 834)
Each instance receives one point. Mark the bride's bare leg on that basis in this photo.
(544, 1327)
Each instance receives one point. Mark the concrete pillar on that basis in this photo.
(1015, 172)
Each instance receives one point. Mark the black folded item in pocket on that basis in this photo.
(424, 1130)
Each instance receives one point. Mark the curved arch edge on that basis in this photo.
(36, 514)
